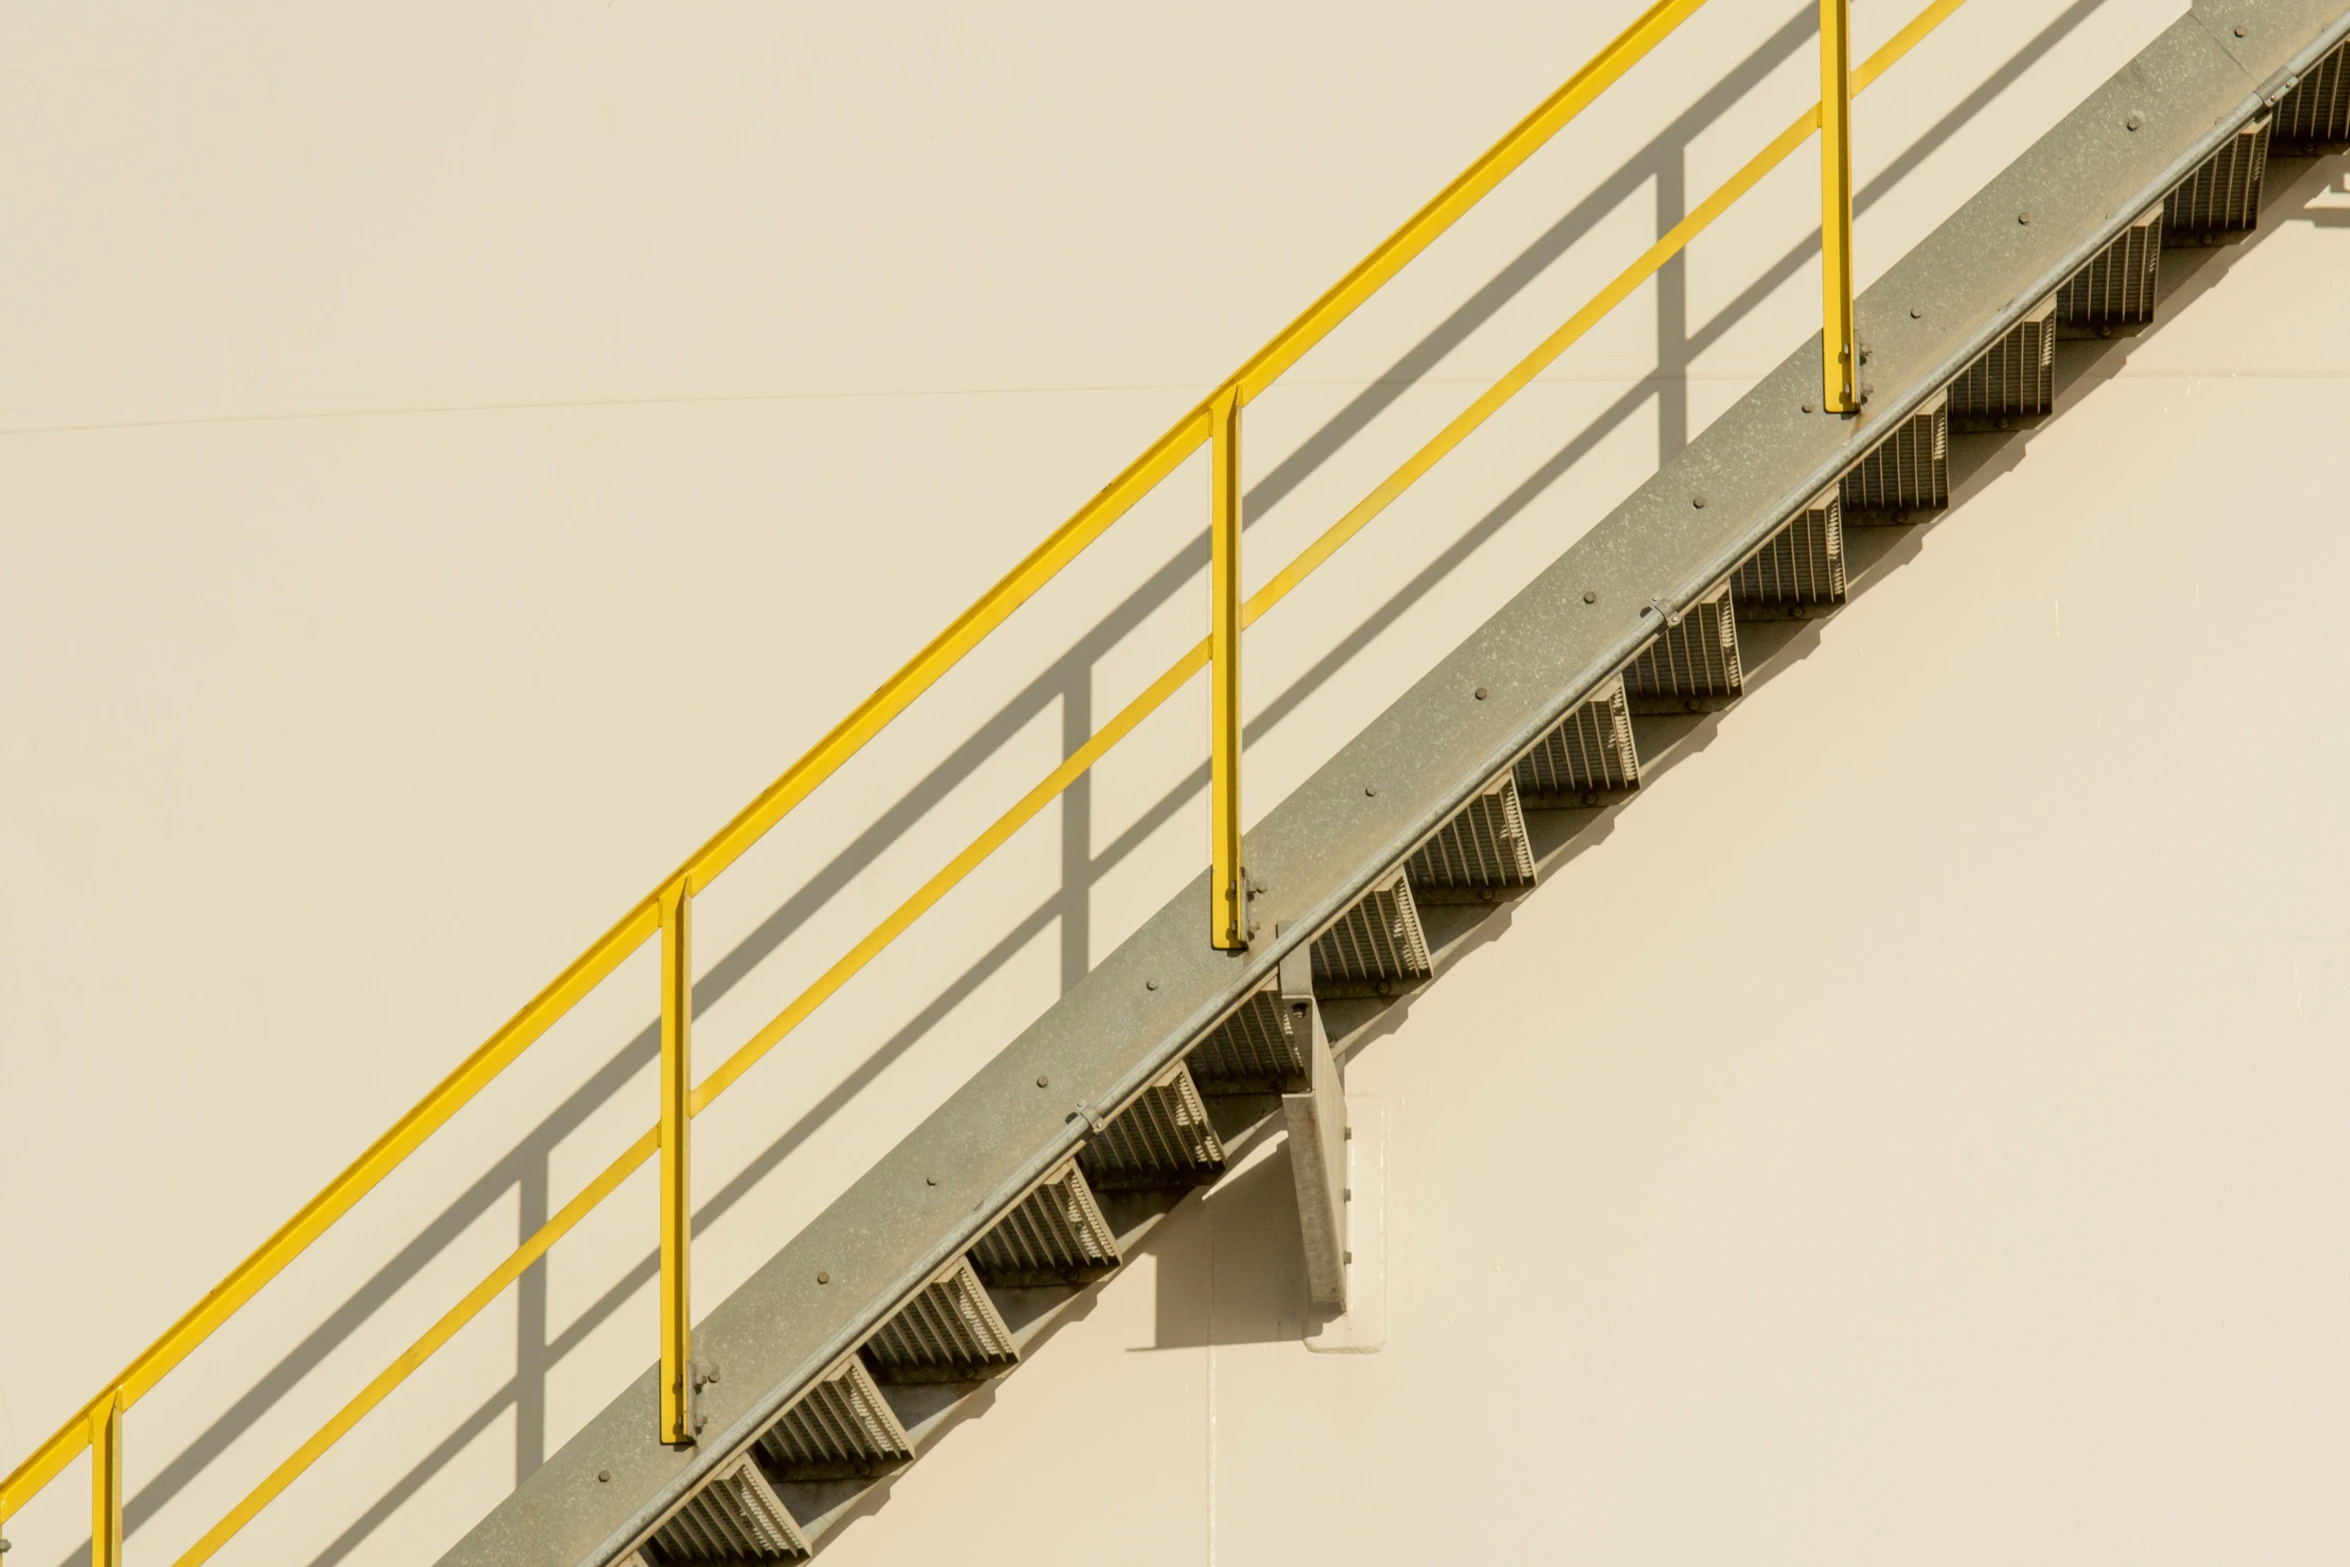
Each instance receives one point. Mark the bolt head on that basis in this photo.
(823, 1277)
(1150, 984)
(2134, 122)
(1915, 314)
(603, 1477)
(1590, 597)
(1807, 405)
(1480, 693)
(1043, 1081)
(1370, 790)
(1697, 501)
(2239, 32)
(930, 1180)
(2023, 217)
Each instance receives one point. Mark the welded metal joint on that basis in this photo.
(678, 1382)
(1228, 882)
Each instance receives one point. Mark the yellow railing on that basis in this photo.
(1216, 421)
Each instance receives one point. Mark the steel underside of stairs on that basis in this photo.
(901, 1238)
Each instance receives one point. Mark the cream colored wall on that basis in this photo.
(452, 460)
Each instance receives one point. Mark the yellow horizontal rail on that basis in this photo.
(634, 929)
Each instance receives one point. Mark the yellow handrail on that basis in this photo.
(845, 740)
(104, 1413)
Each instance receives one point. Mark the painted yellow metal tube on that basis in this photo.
(1839, 342)
(677, 1197)
(1903, 42)
(1422, 229)
(1227, 890)
(106, 1484)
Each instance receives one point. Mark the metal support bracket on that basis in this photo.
(1317, 1140)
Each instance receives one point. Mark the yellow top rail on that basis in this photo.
(99, 1423)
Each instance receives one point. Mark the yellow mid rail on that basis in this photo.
(1215, 422)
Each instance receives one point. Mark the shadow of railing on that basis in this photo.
(525, 1171)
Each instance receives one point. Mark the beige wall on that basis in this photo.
(451, 460)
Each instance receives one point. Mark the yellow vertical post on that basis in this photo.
(677, 1086)
(1227, 892)
(1839, 343)
(106, 1483)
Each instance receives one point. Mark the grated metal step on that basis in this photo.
(949, 1332)
(1800, 571)
(2115, 289)
(2014, 379)
(1257, 1050)
(2315, 115)
(734, 1520)
(1692, 665)
(1588, 758)
(1377, 947)
(840, 1429)
(2223, 196)
(1909, 470)
(1160, 1142)
(1480, 854)
(1056, 1235)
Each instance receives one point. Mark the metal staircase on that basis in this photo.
(844, 1355)
(1029, 1175)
